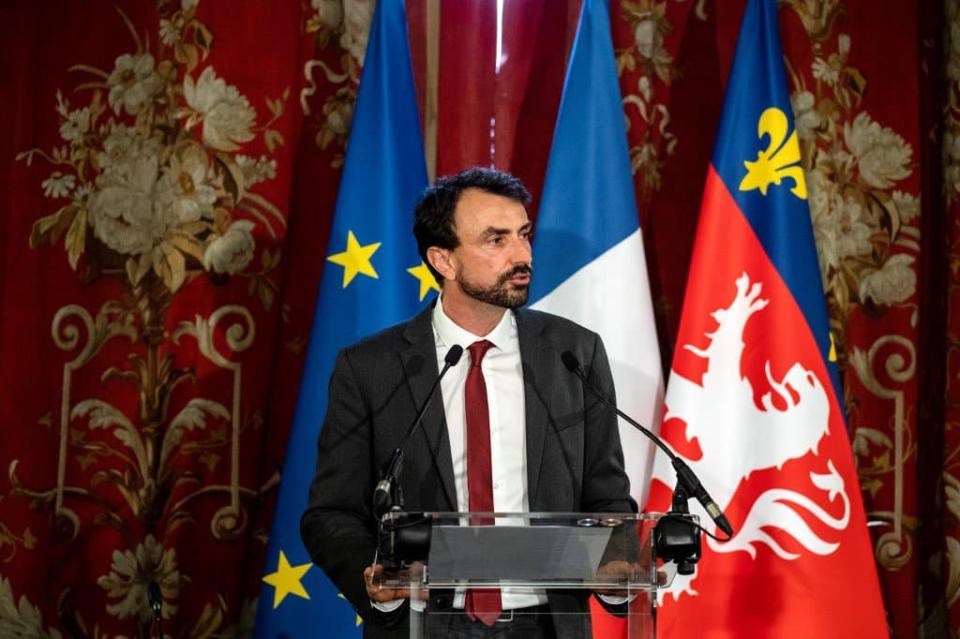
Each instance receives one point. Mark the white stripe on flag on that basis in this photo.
(611, 296)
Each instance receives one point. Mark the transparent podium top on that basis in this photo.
(595, 551)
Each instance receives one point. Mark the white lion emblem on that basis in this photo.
(737, 437)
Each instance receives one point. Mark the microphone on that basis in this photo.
(155, 599)
(687, 480)
(383, 494)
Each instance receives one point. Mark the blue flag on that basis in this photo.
(589, 262)
(373, 278)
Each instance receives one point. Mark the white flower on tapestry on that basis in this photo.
(805, 114)
(951, 145)
(647, 37)
(170, 32)
(226, 114)
(951, 128)
(133, 83)
(122, 143)
(340, 28)
(863, 210)
(830, 70)
(131, 573)
(883, 157)
(194, 187)
(951, 489)
(840, 226)
(357, 15)
(256, 170)
(650, 27)
(952, 589)
(908, 206)
(339, 116)
(840, 229)
(646, 62)
(953, 63)
(951, 181)
(131, 211)
(58, 185)
(20, 618)
(75, 124)
(894, 282)
(156, 174)
(232, 251)
(329, 12)
(822, 71)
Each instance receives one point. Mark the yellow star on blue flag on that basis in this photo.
(427, 281)
(355, 259)
(286, 580)
(359, 619)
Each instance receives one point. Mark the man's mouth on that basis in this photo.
(519, 276)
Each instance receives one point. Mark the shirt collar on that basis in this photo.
(449, 333)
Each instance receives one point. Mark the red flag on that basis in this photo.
(753, 401)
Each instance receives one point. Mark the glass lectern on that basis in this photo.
(560, 557)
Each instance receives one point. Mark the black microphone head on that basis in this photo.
(154, 596)
(453, 355)
(570, 361)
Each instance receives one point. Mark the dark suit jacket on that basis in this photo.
(574, 458)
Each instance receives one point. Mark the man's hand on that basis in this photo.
(376, 591)
(619, 571)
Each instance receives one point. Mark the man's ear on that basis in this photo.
(443, 261)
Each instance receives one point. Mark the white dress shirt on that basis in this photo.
(503, 375)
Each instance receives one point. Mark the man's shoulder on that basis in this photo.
(386, 339)
(396, 336)
(554, 325)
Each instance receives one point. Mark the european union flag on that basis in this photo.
(373, 278)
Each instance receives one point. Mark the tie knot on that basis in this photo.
(477, 351)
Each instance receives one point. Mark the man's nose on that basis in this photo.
(522, 253)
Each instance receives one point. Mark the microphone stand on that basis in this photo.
(155, 599)
(404, 538)
(676, 535)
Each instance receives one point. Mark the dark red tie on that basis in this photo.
(483, 604)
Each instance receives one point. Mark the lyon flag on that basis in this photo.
(589, 263)
(752, 403)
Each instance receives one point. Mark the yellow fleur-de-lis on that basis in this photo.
(780, 160)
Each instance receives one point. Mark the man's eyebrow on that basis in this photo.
(492, 230)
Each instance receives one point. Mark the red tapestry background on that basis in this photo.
(168, 173)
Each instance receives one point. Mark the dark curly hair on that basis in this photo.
(433, 215)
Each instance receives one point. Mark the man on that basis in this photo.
(512, 431)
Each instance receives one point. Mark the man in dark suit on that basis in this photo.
(514, 431)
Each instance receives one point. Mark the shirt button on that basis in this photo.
(496, 485)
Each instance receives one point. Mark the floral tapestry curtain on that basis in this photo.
(168, 172)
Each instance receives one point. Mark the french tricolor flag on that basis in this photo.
(589, 263)
(753, 402)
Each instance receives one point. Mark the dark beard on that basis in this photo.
(501, 293)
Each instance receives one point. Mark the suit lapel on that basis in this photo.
(536, 356)
(420, 367)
